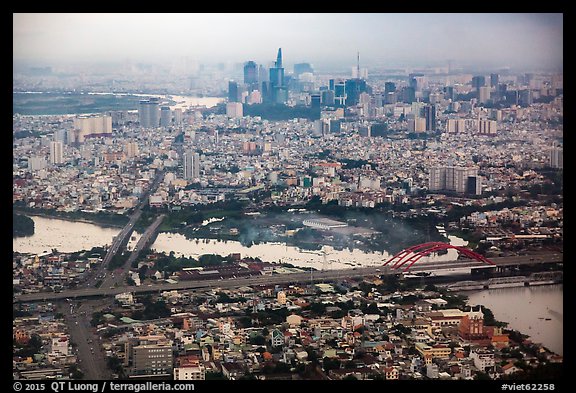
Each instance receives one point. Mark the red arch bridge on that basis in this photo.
(412, 254)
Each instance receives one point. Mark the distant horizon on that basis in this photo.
(520, 41)
(24, 66)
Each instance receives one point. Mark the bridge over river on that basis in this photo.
(499, 264)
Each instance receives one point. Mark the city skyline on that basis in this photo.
(528, 40)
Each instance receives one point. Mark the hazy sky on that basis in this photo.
(533, 40)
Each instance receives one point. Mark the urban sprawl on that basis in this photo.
(442, 150)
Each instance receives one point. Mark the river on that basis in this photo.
(526, 309)
(67, 236)
(71, 104)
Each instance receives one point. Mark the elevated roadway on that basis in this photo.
(291, 278)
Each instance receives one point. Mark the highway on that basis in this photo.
(290, 278)
(116, 279)
(122, 238)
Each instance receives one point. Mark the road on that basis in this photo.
(121, 239)
(91, 358)
(118, 277)
(303, 277)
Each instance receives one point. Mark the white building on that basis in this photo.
(483, 360)
(487, 127)
(557, 157)
(455, 126)
(125, 298)
(56, 153)
(432, 371)
(191, 165)
(131, 149)
(484, 94)
(190, 373)
(88, 126)
(36, 163)
(458, 179)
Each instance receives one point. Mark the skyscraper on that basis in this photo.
(251, 75)
(494, 78)
(484, 94)
(56, 153)
(478, 81)
(165, 116)
(353, 89)
(191, 165)
(389, 87)
(430, 116)
(556, 157)
(278, 92)
(233, 92)
(178, 116)
(340, 93)
(149, 113)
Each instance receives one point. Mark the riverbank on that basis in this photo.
(536, 311)
(56, 216)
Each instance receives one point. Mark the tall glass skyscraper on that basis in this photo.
(278, 92)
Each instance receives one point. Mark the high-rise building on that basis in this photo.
(455, 126)
(478, 81)
(36, 163)
(234, 109)
(233, 92)
(251, 75)
(165, 116)
(451, 178)
(416, 124)
(494, 80)
(556, 157)
(149, 113)
(389, 87)
(178, 116)
(484, 94)
(315, 100)
(278, 91)
(354, 87)
(255, 97)
(86, 126)
(61, 136)
(408, 94)
(327, 97)
(56, 153)
(487, 127)
(449, 93)
(191, 165)
(430, 116)
(417, 81)
(131, 149)
(525, 97)
(340, 93)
